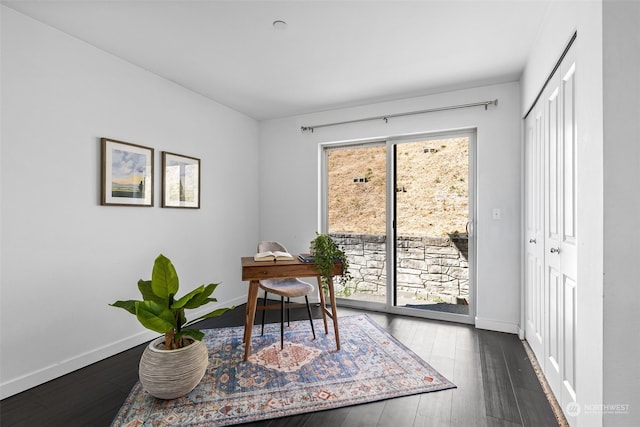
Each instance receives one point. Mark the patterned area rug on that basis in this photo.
(308, 375)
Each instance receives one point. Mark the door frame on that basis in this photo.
(391, 142)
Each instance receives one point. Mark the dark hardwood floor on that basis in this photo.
(496, 384)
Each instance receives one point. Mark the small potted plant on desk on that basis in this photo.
(326, 253)
(172, 365)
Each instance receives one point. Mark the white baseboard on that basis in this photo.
(51, 372)
(48, 373)
(497, 325)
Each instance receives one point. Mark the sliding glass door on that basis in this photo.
(432, 214)
(356, 180)
(402, 209)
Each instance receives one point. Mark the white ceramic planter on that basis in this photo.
(169, 374)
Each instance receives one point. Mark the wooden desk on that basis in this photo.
(254, 271)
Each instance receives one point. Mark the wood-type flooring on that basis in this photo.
(497, 385)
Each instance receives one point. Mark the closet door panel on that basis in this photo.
(568, 248)
(551, 245)
(553, 312)
(534, 232)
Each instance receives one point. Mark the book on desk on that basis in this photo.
(306, 258)
(310, 258)
(273, 256)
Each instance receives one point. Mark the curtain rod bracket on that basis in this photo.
(494, 102)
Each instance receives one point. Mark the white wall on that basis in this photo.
(64, 257)
(563, 19)
(621, 157)
(289, 202)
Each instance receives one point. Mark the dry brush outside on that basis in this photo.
(432, 188)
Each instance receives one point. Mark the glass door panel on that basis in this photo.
(432, 206)
(357, 219)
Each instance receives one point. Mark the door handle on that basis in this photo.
(532, 241)
(555, 250)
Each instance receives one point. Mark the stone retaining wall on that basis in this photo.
(429, 268)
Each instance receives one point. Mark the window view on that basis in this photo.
(431, 200)
(432, 212)
(432, 188)
(356, 182)
(357, 188)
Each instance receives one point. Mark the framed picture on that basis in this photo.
(180, 181)
(127, 174)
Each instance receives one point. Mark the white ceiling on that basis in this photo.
(332, 53)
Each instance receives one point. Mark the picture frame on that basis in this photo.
(126, 174)
(180, 181)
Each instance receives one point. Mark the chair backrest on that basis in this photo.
(270, 246)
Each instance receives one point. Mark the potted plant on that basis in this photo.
(325, 253)
(172, 365)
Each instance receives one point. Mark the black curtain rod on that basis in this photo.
(555, 68)
(484, 104)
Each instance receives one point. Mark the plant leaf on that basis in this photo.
(194, 294)
(203, 298)
(147, 293)
(164, 279)
(129, 305)
(196, 334)
(197, 297)
(155, 316)
(214, 313)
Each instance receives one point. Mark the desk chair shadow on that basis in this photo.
(289, 288)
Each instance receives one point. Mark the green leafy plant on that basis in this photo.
(160, 311)
(325, 253)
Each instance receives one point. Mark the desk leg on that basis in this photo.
(323, 307)
(334, 312)
(250, 315)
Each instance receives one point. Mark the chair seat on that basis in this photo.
(287, 287)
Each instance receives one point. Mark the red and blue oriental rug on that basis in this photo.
(308, 375)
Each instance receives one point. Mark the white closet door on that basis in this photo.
(562, 255)
(551, 251)
(553, 236)
(534, 235)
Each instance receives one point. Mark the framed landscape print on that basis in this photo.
(127, 174)
(180, 181)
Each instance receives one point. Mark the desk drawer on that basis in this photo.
(252, 270)
(274, 271)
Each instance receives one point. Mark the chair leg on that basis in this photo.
(313, 331)
(281, 323)
(288, 312)
(264, 303)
